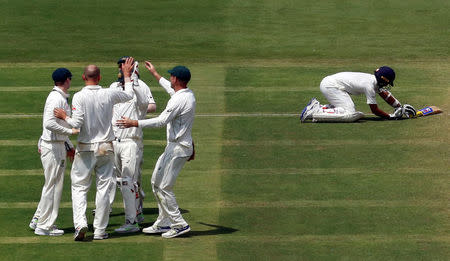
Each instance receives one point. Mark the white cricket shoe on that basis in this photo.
(128, 228)
(79, 233)
(101, 237)
(309, 109)
(53, 231)
(174, 232)
(33, 223)
(155, 229)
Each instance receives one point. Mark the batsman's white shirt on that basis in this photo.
(92, 111)
(178, 116)
(355, 83)
(135, 108)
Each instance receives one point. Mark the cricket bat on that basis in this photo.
(429, 110)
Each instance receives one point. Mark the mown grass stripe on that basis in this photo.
(440, 62)
(202, 115)
(286, 143)
(266, 171)
(267, 204)
(142, 238)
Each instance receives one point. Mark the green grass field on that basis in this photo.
(263, 185)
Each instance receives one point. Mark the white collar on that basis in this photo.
(92, 87)
(58, 89)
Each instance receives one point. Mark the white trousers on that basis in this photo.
(84, 163)
(127, 165)
(53, 158)
(337, 97)
(164, 176)
(341, 109)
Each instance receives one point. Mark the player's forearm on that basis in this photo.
(378, 112)
(390, 99)
(157, 122)
(166, 85)
(53, 126)
(155, 74)
(74, 122)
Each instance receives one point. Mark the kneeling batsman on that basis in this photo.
(339, 87)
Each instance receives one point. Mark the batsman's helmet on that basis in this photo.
(385, 75)
(120, 77)
(122, 60)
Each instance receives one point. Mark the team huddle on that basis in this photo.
(109, 122)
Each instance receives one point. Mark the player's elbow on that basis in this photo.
(151, 108)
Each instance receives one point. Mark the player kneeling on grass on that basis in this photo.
(337, 89)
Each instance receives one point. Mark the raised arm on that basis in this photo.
(127, 94)
(161, 80)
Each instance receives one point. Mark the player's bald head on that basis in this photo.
(91, 72)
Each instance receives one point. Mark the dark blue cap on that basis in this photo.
(385, 74)
(181, 73)
(122, 59)
(61, 75)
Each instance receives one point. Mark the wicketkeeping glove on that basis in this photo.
(408, 111)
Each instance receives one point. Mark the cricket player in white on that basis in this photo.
(128, 149)
(92, 111)
(53, 146)
(338, 87)
(179, 117)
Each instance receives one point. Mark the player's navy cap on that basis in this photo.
(61, 75)
(122, 59)
(386, 74)
(181, 73)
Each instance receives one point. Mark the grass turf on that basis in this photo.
(262, 187)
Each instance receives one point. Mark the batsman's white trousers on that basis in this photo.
(53, 158)
(84, 163)
(164, 176)
(337, 96)
(344, 108)
(127, 163)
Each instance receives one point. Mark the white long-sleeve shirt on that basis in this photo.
(178, 116)
(135, 108)
(54, 129)
(355, 83)
(92, 111)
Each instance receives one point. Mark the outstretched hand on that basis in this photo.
(60, 113)
(127, 67)
(150, 66)
(126, 123)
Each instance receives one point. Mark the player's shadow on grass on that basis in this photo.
(216, 230)
(369, 118)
